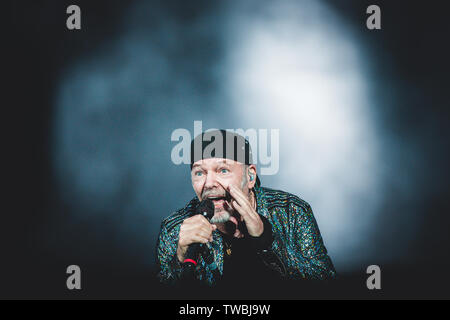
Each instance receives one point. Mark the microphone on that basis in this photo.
(206, 209)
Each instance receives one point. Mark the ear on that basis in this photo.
(251, 176)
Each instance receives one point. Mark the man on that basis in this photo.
(256, 234)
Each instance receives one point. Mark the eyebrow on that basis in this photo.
(224, 161)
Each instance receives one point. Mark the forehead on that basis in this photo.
(214, 162)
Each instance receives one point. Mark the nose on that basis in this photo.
(211, 181)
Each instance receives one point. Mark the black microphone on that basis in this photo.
(206, 209)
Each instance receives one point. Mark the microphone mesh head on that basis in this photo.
(206, 208)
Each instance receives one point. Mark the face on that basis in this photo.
(204, 175)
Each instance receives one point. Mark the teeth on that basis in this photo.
(215, 198)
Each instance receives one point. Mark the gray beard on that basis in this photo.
(224, 217)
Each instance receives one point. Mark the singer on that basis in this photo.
(256, 234)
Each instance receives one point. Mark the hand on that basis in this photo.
(240, 203)
(196, 229)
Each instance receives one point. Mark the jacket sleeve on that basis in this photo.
(169, 267)
(309, 255)
(264, 241)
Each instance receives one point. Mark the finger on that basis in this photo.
(205, 234)
(236, 206)
(244, 205)
(235, 192)
(207, 230)
(198, 222)
(239, 196)
(242, 212)
(251, 220)
(194, 226)
(244, 202)
(191, 238)
(199, 239)
(223, 183)
(200, 219)
(191, 230)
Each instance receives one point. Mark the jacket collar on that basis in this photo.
(261, 201)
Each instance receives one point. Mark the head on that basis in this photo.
(220, 156)
(204, 176)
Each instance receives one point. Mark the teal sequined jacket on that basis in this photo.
(297, 242)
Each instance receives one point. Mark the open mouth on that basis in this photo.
(219, 200)
(226, 197)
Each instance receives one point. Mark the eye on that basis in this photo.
(198, 173)
(223, 170)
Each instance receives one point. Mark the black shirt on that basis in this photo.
(243, 268)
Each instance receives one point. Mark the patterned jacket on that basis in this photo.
(297, 244)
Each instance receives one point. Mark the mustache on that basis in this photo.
(223, 193)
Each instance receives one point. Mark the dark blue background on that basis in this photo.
(48, 224)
